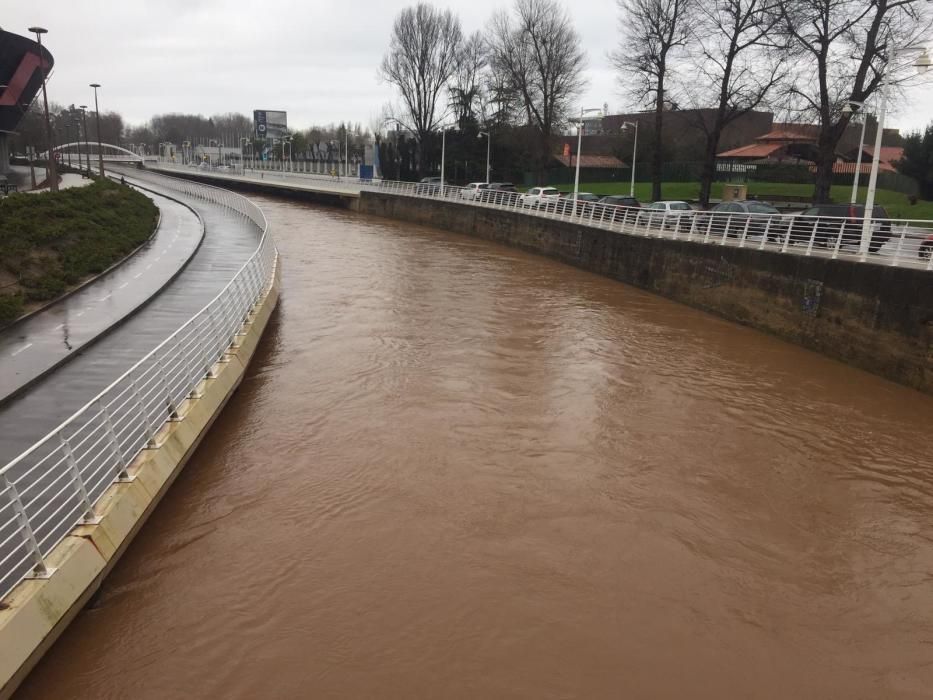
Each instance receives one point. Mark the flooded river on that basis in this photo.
(456, 470)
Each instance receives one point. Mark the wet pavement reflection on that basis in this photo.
(458, 470)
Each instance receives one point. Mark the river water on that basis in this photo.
(456, 470)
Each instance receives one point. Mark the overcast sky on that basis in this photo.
(316, 59)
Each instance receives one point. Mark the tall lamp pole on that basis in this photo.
(100, 148)
(488, 151)
(851, 107)
(922, 64)
(51, 175)
(634, 125)
(443, 155)
(576, 177)
(87, 151)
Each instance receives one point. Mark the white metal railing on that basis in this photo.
(896, 242)
(56, 484)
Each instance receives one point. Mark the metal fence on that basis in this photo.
(898, 242)
(56, 484)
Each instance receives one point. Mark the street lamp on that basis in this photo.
(922, 64)
(852, 107)
(100, 148)
(488, 150)
(576, 178)
(634, 125)
(87, 151)
(51, 175)
(443, 155)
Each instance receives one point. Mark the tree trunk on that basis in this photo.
(709, 165)
(657, 156)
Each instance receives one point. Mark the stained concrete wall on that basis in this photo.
(876, 317)
(38, 610)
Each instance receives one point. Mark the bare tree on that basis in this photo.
(652, 31)
(845, 50)
(466, 85)
(737, 56)
(421, 60)
(535, 52)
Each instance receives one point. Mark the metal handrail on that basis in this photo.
(895, 242)
(56, 483)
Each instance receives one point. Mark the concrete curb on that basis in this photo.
(40, 609)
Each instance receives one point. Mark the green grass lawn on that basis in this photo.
(896, 203)
(53, 240)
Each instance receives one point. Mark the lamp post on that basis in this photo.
(852, 107)
(922, 64)
(100, 148)
(346, 151)
(488, 150)
(87, 151)
(576, 177)
(51, 175)
(443, 155)
(634, 125)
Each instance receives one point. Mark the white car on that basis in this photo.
(538, 195)
(671, 213)
(472, 190)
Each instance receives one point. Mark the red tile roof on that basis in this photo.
(593, 161)
(889, 154)
(754, 150)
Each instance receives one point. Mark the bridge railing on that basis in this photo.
(56, 484)
(897, 242)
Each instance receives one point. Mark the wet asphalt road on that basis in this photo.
(29, 349)
(228, 242)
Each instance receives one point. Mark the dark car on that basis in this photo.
(498, 193)
(748, 218)
(620, 200)
(826, 224)
(428, 186)
(586, 202)
(925, 251)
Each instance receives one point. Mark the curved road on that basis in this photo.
(228, 241)
(31, 348)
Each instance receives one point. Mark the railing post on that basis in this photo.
(169, 401)
(90, 517)
(764, 236)
(900, 246)
(39, 569)
(842, 228)
(725, 230)
(812, 236)
(122, 475)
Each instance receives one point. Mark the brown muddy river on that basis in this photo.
(456, 470)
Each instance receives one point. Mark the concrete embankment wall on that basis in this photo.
(38, 610)
(876, 317)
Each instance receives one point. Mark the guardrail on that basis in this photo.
(897, 242)
(55, 484)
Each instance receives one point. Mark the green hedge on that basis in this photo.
(53, 240)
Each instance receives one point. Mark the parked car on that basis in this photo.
(620, 200)
(825, 223)
(428, 186)
(743, 217)
(925, 251)
(538, 195)
(669, 213)
(472, 190)
(564, 204)
(499, 193)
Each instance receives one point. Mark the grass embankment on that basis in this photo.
(896, 204)
(52, 241)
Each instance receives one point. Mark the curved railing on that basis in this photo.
(56, 484)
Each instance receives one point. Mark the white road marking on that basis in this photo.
(137, 275)
(148, 266)
(17, 352)
(158, 258)
(60, 325)
(79, 314)
(123, 285)
(106, 297)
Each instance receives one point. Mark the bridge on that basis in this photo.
(470, 423)
(110, 152)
